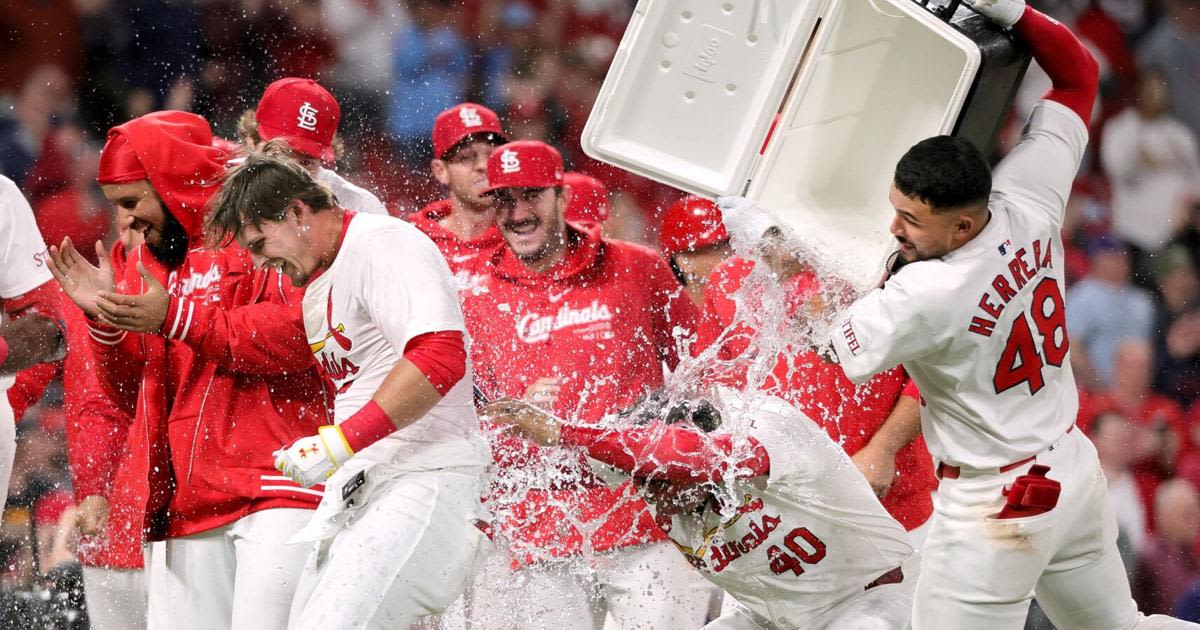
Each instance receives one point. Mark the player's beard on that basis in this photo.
(172, 245)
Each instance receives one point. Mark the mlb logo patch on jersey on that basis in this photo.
(1004, 247)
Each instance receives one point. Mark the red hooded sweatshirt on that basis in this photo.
(229, 378)
(466, 258)
(850, 415)
(603, 320)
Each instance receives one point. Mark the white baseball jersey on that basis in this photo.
(982, 330)
(23, 253)
(387, 285)
(808, 536)
(350, 195)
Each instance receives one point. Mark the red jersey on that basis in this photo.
(849, 414)
(229, 377)
(465, 258)
(603, 321)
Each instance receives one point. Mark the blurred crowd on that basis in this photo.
(70, 69)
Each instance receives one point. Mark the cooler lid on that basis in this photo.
(694, 86)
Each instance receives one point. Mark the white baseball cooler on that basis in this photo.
(696, 85)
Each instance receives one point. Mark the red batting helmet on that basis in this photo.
(690, 224)
(588, 200)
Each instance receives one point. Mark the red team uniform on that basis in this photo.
(229, 378)
(850, 414)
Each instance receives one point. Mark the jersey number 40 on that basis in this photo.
(1022, 361)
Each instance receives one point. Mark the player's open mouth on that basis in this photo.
(523, 228)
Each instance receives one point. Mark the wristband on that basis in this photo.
(366, 427)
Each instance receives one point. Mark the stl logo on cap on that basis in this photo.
(510, 162)
(308, 117)
(470, 117)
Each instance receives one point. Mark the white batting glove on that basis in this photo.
(745, 221)
(311, 460)
(1003, 12)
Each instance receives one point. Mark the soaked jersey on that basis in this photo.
(800, 540)
(350, 195)
(22, 252)
(982, 330)
(387, 285)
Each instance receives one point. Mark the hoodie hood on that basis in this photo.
(175, 150)
(585, 250)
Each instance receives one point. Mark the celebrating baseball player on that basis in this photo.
(209, 356)
(766, 507)
(400, 531)
(463, 224)
(976, 317)
(580, 325)
(31, 332)
(305, 116)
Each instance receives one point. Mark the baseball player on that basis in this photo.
(579, 325)
(305, 116)
(877, 425)
(463, 224)
(209, 357)
(694, 241)
(30, 333)
(399, 533)
(761, 501)
(976, 317)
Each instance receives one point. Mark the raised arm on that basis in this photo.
(674, 453)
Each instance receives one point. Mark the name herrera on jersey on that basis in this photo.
(1022, 268)
(533, 328)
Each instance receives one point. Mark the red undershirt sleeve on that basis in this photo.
(441, 356)
(1073, 72)
(674, 453)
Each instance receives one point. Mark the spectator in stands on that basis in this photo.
(1173, 48)
(1112, 433)
(1153, 164)
(1159, 419)
(1102, 310)
(25, 122)
(1167, 565)
(363, 72)
(1177, 342)
(431, 63)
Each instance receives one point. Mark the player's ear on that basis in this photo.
(438, 168)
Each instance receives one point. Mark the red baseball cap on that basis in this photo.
(690, 224)
(301, 113)
(524, 164)
(588, 198)
(462, 121)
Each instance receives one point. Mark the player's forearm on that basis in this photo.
(28, 341)
(902, 426)
(406, 394)
(1073, 71)
(670, 453)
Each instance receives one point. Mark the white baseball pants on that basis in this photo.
(982, 572)
(409, 552)
(238, 576)
(647, 587)
(116, 598)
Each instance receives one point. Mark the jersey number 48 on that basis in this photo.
(1022, 361)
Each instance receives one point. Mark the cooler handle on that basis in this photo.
(945, 12)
